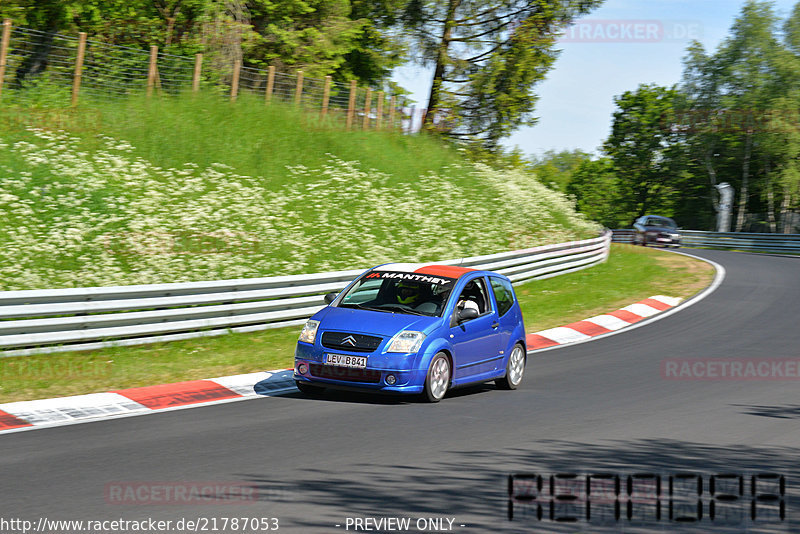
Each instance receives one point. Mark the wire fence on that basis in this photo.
(74, 67)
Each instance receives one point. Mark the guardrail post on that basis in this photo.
(76, 80)
(4, 51)
(198, 67)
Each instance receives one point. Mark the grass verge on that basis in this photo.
(630, 274)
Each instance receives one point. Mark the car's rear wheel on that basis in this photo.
(309, 389)
(515, 369)
(438, 379)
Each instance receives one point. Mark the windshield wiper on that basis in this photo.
(358, 306)
(401, 309)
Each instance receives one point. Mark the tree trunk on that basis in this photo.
(441, 63)
(787, 197)
(748, 145)
(773, 227)
(36, 62)
(712, 176)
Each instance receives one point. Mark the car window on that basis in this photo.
(503, 294)
(662, 221)
(364, 291)
(475, 296)
(399, 292)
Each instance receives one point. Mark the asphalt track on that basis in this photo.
(601, 406)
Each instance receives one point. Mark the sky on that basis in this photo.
(611, 50)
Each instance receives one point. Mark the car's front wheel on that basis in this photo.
(309, 389)
(438, 379)
(515, 369)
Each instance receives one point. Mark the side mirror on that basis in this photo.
(330, 297)
(467, 314)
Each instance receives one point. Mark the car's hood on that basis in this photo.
(372, 322)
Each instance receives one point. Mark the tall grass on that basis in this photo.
(197, 188)
(256, 139)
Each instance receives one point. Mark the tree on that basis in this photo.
(748, 83)
(348, 39)
(555, 169)
(646, 152)
(596, 191)
(486, 60)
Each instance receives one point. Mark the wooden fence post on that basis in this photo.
(4, 51)
(392, 106)
(270, 84)
(76, 80)
(379, 111)
(351, 105)
(298, 89)
(326, 95)
(198, 67)
(151, 70)
(237, 68)
(367, 103)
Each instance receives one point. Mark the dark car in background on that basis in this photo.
(656, 230)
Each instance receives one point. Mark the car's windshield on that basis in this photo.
(662, 221)
(399, 292)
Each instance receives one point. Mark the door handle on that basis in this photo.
(495, 325)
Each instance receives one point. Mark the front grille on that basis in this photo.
(350, 342)
(345, 373)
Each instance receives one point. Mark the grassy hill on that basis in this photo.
(198, 188)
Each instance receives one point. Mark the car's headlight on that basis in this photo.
(406, 341)
(309, 333)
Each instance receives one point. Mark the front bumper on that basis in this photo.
(406, 381)
(373, 378)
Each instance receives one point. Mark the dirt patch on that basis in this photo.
(692, 275)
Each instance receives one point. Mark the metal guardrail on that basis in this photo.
(622, 236)
(751, 242)
(58, 320)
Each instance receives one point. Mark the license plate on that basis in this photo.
(357, 362)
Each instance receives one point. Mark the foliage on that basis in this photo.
(555, 169)
(734, 118)
(486, 59)
(596, 191)
(643, 151)
(342, 38)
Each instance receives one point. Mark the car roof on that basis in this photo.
(435, 269)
